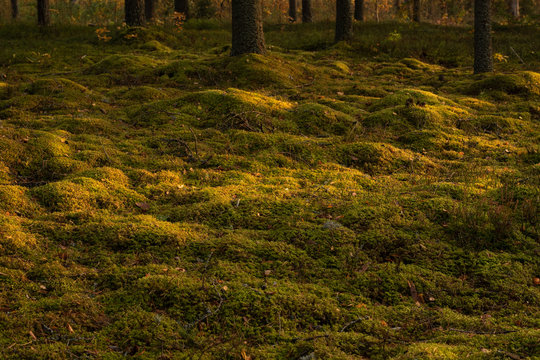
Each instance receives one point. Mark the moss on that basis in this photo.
(59, 87)
(85, 194)
(135, 232)
(156, 46)
(232, 108)
(318, 119)
(413, 96)
(13, 236)
(416, 64)
(124, 69)
(15, 199)
(256, 70)
(525, 83)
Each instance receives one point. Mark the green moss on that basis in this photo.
(413, 96)
(318, 119)
(416, 64)
(124, 69)
(13, 236)
(525, 83)
(154, 45)
(256, 70)
(85, 194)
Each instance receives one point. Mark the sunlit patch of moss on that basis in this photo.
(15, 199)
(13, 236)
(525, 83)
(156, 46)
(136, 232)
(319, 119)
(477, 104)
(124, 69)
(258, 70)
(416, 64)
(232, 108)
(85, 194)
(411, 97)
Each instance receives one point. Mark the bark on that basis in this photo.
(483, 50)
(344, 20)
(44, 16)
(14, 9)
(292, 10)
(134, 12)
(149, 9)
(515, 8)
(416, 10)
(359, 10)
(247, 27)
(182, 6)
(307, 16)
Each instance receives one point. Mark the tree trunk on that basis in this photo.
(149, 9)
(359, 10)
(292, 10)
(344, 17)
(515, 9)
(397, 6)
(483, 58)
(14, 9)
(416, 10)
(134, 12)
(182, 6)
(247, 27)
(44, 16)
(307, 17)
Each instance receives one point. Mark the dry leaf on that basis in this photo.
(143, 205)
(32, 335)
(70, 329)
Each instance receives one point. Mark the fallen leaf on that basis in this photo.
(32, 335)
(143, 206)
(70, 329)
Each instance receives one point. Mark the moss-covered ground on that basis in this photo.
(373, 200)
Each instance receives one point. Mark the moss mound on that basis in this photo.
(317, 119)
(58, 87)
(86, 194)
(125, 69)
(416, 64)
(410, 97)
(255, 70)
(232, 108)
(524, 83)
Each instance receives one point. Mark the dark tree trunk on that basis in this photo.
(134, 12)
(292, 10)
(416, 10)
(514, 4)
(247, 27)
(182, 6)
(359, 10)
(397, 6)
(44, 16)
(149, 9)
(344, 20)
(307, 17)
(483, 51)
(14, 9)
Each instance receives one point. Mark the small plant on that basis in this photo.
(102, 34)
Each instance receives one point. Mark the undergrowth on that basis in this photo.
(162, 200)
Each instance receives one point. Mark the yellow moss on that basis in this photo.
(13, 236)
(14, 199)
(154, 45)
(416, 64)
(59, 87)
(413, 96)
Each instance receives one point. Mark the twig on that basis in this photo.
(483, 332)
(519, 57)
(196, 142)
(209, 312)
(351, 323)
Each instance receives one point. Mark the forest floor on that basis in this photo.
(373, 200)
